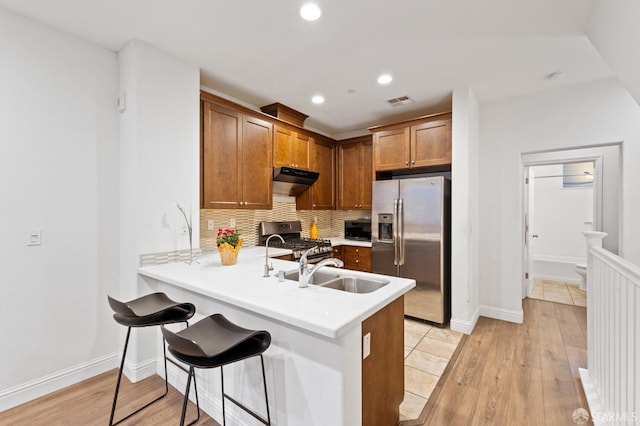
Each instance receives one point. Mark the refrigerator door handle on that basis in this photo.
(395, 231)
(401, 232)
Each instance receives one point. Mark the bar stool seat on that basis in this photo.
(150, 310)
(215, 342)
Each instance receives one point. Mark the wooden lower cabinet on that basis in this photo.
(283, 257)
(337, 253)
(383, 369)
(357, 258)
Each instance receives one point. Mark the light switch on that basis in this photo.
(366, 345)
(232, 223)
(210, 225)
(34, 237)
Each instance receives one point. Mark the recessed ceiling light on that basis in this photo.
(385, 79)
(310, 12)
(317, 99)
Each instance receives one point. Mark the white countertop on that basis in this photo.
(319, 310)
(337, 241)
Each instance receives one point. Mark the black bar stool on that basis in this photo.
(152, 309)
(215, 342)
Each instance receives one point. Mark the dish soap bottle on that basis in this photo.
(313, 232)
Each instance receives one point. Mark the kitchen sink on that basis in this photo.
(339, 281)
(352, 284)
(318, 277)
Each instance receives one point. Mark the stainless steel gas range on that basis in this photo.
(291, 231)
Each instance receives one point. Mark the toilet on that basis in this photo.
(581, 268)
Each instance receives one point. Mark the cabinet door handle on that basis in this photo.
(314, 205)
(413, 162)
(357, 261)
(357, 250)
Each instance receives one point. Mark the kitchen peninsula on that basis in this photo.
(318, 370)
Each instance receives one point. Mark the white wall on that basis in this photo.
(58, 172)
(614, 31)
(583, 115)
(464, 211)
(559, 216)
(160, 151)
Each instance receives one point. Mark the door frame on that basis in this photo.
(548, 158)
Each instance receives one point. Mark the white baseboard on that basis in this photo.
(26, 392)
(564, 279)
(559, 259)
(595, 406)
(465, 326)
(502, 314)
(137, 372)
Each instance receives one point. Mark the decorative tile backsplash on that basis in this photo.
(330, 222)
(151, 259)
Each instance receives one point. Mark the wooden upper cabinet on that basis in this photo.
(221, 141)
(301, 151)
(257, 171)
(366, 186)
(321, 195)
(236, 159)
(431, 143)
(391, 149)
(355, 173)
(423, 142)
(291, 148)
(282, 142)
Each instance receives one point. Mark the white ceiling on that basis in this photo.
(262, 52)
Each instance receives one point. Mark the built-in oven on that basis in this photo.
(359, 229)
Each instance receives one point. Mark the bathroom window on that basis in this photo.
(576, 175)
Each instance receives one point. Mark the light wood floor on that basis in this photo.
(516, 374)
(88, 403)
(503, 374)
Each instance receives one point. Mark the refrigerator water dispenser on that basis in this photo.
(385, 227)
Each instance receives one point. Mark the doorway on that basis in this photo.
(559, 173)
(561, 207)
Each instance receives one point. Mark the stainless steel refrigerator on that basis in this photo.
(411, 239)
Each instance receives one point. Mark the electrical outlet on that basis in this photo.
(210, 225)
(232, 223)
(366, 345)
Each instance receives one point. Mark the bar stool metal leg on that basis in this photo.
(266, 397)
(185, 401)
(166, 382)
(242, 406)
(115, 397)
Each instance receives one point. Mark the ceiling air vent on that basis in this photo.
(402, 100)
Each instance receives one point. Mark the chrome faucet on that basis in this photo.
(268, 267)
(306, 272)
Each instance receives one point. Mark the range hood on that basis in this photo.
(290, 181)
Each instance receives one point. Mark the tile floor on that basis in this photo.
(427, 352)
(559, 292)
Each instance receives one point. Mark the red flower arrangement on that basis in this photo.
(228, 236)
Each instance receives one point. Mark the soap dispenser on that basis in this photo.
(313, 232)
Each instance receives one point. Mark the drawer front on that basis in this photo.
(357, 258)
(337, 253)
